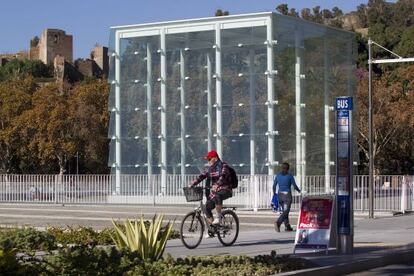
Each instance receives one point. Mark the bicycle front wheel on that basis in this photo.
(228, 231)
(191, 230)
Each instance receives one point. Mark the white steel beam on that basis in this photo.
(182, 111)
(298, 102)
(219, 118)
(149, 110)
(270, 97)
(117, 115)
(252, 87)
(326, 91)
(209, 105)
(163, 112)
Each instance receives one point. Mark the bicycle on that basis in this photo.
(194, 223)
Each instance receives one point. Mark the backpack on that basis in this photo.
(234, 181)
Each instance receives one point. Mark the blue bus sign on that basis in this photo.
(344, 103)
(344, 187)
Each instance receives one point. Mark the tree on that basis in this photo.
(47, 129)
(405, 46)
(283, 9)
(220, 12)
(327, 14)
(393, 103)
(317, 15)
(293, 12)
(17, 68)
(15, 98)
(88, 108)
(337, 12)
(306, 14)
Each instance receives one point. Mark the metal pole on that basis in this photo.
(182, 112)
(77, 162)
(149, 121)
(219, 118)
(163, 113)
(299, 161)
(209, 106)
(270, 99)
(370, 134)
(326, 120)
(149, 109)
(252, 113)
(117, 115)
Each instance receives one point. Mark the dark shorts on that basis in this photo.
(220, 196)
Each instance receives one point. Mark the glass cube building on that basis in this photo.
(258, 88)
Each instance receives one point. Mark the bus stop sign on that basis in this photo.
(344, 187)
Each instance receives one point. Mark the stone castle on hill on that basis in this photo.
(55, 47)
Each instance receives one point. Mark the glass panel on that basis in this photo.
(325, 57)
(188, 76)
(244, 96)
(236, 153)
(241, 37)
(134, 56)
(135, 162)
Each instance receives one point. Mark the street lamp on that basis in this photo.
(399, 59)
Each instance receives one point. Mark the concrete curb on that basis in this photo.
(395, 256)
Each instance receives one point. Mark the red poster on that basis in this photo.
(315, 213)
(314, 223)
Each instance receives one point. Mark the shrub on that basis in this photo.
(86, 260)
(81, 235)
(8, 261)
(26, 240)
(148, 240)
(90, 260)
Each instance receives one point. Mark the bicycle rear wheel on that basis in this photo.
(228, 231)
(191, 230)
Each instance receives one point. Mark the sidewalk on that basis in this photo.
(364, 259)
(378, 243)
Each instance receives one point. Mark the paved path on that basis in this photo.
(100, 216)
(257, 235)
(370, 235)
(400, 269)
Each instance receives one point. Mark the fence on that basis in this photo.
(391, 193)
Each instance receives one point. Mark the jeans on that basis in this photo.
(286, 201)
(216, 200)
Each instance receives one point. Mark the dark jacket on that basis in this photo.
(218, 174)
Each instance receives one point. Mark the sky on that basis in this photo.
(89, 20)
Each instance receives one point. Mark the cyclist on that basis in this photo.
(221, 189)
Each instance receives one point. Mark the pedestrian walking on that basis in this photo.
(284, 180)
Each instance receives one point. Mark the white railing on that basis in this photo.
(392, 193)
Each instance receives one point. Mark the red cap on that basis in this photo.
(211, 154)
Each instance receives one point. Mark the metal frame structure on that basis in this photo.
(217, 25)
(371, 61)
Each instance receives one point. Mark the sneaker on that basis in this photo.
(217, 221)
(277, 226)
(288, 228)
(209, 235)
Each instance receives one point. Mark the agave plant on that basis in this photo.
(148, 241)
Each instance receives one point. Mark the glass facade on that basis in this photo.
(258, 88)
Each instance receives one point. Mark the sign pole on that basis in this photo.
(344, 183)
